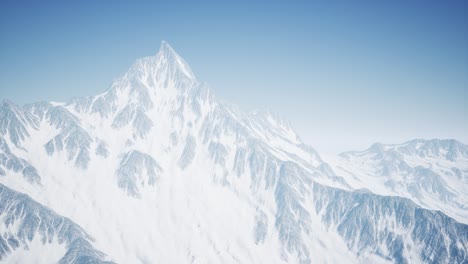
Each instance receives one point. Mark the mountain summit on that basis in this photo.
(163, 70)
(167, 55)
(157, 169)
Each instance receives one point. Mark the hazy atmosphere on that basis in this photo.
(282, 132)
(345, 74)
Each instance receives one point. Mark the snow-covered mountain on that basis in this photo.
(157, 169)
(432, 173)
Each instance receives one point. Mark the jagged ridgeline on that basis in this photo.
(157, 169)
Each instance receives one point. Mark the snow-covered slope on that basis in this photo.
(432, 173)
(42, 235)
(157, 169)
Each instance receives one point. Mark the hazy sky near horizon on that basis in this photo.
(345, 73)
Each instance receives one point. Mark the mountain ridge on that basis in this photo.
(432, 173)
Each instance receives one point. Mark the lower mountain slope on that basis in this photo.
(25, 222)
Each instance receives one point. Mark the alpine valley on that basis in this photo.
(158, 170)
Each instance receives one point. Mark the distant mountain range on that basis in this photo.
(158, 170)
(432, 173)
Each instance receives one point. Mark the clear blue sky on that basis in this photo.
(346, 73)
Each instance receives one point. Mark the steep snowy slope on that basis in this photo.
(432, 173)
(42, 235)
(156, 169)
